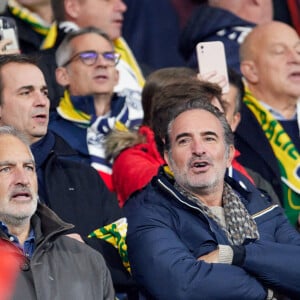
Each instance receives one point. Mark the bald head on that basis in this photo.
(270, 62)
(264, 35)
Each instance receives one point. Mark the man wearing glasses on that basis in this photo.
(90, 109)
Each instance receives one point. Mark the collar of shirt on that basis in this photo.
(28, 247)
(276, 114)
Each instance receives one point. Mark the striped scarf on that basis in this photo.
(126, 112)
(239, 224)
(35, 21)
(286, 153)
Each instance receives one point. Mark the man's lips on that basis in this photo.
(21, 195)
(40, 116)
(294, 75)
(199, 165)
(101, 77)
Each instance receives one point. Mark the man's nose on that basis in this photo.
(294, 55)
(121, 6)
(198, 147)
(21, 177)
(41, 99)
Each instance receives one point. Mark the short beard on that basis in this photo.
(194, 186)
(14, 221)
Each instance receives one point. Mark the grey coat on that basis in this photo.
(61, 268)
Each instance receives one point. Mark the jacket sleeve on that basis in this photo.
(276, 265)
(166, 269)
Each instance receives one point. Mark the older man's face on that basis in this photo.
(18, 182)
(99, 78)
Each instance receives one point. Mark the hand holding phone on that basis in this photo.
(8, 35)
(212, 63)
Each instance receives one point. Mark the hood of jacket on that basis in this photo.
(205, 24)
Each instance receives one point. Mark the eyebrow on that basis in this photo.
(26, 87)
(12, 163)
(31, 88)
(186, 134)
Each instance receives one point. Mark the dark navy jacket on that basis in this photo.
(167, 233)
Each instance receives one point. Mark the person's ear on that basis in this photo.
(249, 71)
(230, 156)
(166, 157)
(116, 77)
(72, 8)
(62, 76)
(235, 121)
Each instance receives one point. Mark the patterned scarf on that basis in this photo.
(34, 20)
(239, 224)
(125, 112)
(286, 153)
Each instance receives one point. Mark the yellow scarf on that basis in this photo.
(286, 153)
(120, 45)
(35, 21)
(115, 234)
(67, 111)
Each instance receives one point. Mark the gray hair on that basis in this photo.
(199, 105)
(65, 51)
(11, 131)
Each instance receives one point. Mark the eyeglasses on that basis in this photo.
(89, 58)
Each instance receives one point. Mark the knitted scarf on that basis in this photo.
(24, 14)
(239, 224)
(124, 112)
(286, 153)
(121, 47)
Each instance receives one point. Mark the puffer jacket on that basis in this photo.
(61, 267)
(136, 160)
(167, 233)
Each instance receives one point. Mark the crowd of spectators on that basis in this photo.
(127, 175)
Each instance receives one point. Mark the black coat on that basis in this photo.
(76, 192)
(256, 151)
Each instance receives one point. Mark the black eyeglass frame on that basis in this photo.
(76, 56)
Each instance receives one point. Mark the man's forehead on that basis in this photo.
(19, 75)
(10, 145)
(85, 41)
(195, 119)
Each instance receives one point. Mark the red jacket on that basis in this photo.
(134, 167)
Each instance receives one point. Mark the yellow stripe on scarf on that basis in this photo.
(122, 48)
(35, 21)
(51, 37)
(115, 234)
(286, 153)
(67, 111)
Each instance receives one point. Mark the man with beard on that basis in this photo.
(191, 234)
(52, 266)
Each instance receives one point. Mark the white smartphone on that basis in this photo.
(211, 57)
(8, 30)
